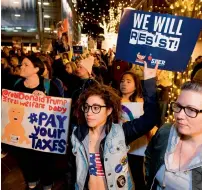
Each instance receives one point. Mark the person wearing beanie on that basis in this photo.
(82, 81)
(84, 68)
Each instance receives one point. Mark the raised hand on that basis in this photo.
(38, 93)
(149, 72)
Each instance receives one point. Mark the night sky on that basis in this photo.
(91, 13)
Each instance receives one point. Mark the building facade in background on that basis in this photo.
(33, 23)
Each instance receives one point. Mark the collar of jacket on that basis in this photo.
(82, 131)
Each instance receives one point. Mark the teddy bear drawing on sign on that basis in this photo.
(14, 132)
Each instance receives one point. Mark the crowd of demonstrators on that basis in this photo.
(89, 80)
(100, 143)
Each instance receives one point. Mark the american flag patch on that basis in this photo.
(95, 167)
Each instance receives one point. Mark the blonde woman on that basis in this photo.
(71, 68)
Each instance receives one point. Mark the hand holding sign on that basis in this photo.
(38, 93)
(148, 72)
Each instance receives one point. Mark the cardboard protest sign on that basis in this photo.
(152, 37)
(47, 45)
(78, 49)
(130, 111)
(35, 122)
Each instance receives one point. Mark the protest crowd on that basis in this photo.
(99, 151)
(97, 121)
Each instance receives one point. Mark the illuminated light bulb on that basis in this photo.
(171, 6)
(177, 4)
(182, 10)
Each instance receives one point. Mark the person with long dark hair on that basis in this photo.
(131, 91)
(99, 143)
(130, 87)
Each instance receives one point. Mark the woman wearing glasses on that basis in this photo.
(174, 156)
(99, 147)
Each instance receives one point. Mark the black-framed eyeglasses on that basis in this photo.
(95, 108)
(189, 111)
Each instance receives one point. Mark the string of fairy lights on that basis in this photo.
(96, 11)
(192, 9)
(91, 13)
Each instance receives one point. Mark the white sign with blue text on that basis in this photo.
(34, 122)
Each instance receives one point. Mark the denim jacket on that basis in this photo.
(113, 148)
